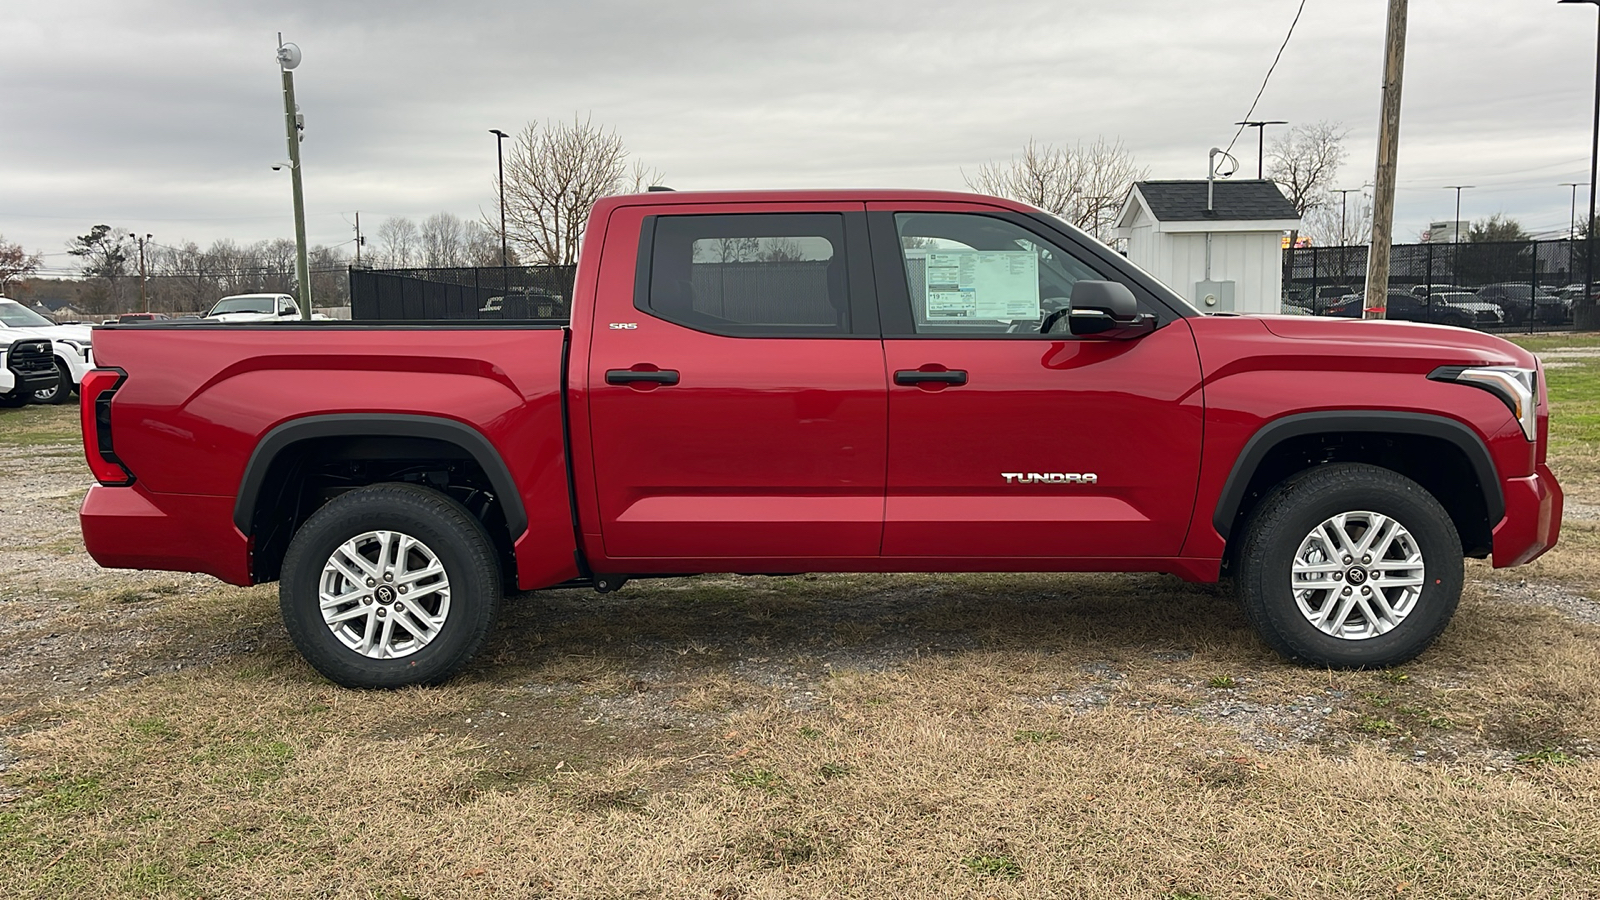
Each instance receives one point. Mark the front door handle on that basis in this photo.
(631, 376)
(917, 376)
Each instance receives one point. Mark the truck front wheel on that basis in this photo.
(389, 585)
(1350, 566)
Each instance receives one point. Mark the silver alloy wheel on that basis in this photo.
(48, 395)
(384, 594)
(1357, 575)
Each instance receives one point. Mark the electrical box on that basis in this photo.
(1214, 296)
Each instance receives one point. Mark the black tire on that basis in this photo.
(447, 530)
(60, 392)
(1274, 534)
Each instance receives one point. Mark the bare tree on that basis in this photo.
(1335, 223)
(397, 238)
(480, 246)
(442, 240)
(1305, 162)
(15, 262)
(554, 175)
(642, 178)
(1083, 184)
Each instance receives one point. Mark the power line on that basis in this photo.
(1270, 70)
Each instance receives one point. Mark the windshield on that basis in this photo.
(15, 315)
(245, 305)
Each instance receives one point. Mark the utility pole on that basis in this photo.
(1394, 65)
(293, 124)
(1584, 314)
(144, 298)
(359, 239)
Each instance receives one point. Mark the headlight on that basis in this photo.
(1516, 388)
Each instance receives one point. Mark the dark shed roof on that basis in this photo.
(1185, 201)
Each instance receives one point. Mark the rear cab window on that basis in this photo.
(774, 275)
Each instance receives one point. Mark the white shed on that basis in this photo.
(1225, 257)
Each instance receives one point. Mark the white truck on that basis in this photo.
(26, 367)
(74, 353)
(240, 308)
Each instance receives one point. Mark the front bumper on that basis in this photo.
(1532, 523)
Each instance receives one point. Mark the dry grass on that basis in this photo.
(849, 736)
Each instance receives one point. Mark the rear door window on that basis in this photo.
(748, 275)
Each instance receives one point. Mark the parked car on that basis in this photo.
(529, 305)
(136, 318)
(1518, 299)
(1574, 292)
(921, 382)
(1423, 290)
(1461, 308)
(254, 308)
(27, 366)
(72, 348)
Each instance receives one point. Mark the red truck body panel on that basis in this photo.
(785, 454)
(188, 430)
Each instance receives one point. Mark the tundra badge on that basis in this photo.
(1049, 477)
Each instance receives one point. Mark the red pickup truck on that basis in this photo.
(778, 382)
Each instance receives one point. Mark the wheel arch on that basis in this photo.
(1276, 451)
(308, 433)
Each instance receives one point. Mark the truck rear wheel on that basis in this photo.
(388, 586)
(1350, 566)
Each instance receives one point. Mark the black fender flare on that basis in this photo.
(286, 434)
(1373, 421)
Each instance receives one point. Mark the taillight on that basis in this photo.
(94, 399)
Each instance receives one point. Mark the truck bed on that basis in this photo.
(188, 432)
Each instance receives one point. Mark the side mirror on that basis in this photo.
(286, 311)
(1107, 308)
(1109, 297)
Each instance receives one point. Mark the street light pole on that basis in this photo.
(1344, 236)
(1572, 217)
(500, 155)
(1584, 315)
(288, 58)
(1261, 142)
(1458, 188)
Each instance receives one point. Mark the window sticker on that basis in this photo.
(982, 284)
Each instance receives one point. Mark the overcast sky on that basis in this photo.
(166, 117)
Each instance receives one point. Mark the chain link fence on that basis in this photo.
(1534, 283)
(517, 293)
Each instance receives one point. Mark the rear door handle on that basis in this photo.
(630, 376)
(917, 376)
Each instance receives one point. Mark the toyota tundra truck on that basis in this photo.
(783, 382)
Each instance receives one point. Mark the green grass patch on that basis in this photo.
(764, 779)
(1036, 737)
(993, 865)
(39, 426)
(1539, 342)
(1545, 756)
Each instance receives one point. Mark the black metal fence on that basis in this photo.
(512, 292)
(1513, 274)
